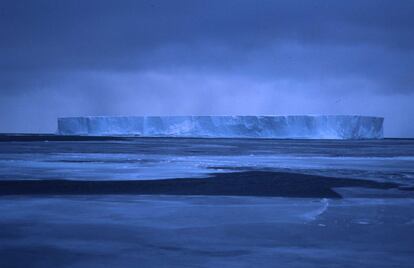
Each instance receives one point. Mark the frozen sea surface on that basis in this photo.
(368, 222)
(160, 231)
(159, 158)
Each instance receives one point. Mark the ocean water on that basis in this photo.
(369, 222)
(159, 158)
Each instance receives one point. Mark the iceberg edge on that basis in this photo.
(277, 127)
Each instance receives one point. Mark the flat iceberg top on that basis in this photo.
(278, 127)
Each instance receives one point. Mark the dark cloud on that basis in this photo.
(126, 34)
(193, 56)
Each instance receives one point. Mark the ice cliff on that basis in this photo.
(292, 127)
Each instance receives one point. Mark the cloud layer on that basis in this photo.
(66, 58)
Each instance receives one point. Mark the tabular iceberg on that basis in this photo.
(278, 127)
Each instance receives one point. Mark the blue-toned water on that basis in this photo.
(367, 227)
(156, 158)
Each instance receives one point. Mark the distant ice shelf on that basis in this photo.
(277, 127)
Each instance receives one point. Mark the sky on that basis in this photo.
(205, 57)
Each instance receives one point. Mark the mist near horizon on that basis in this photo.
(82, 58)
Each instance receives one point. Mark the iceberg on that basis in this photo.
(276, 127)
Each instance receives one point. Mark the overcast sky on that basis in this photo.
(205, 57)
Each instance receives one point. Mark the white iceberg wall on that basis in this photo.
(306, 126)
